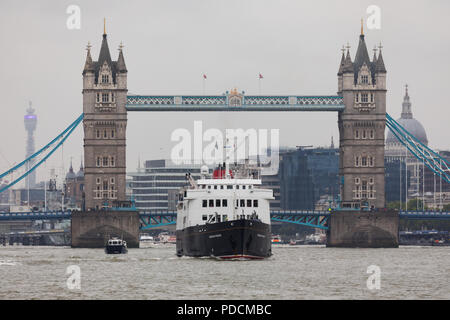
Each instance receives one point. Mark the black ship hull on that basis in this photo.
(237, 239)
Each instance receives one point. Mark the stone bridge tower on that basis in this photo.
(362, 83)
(105, 121)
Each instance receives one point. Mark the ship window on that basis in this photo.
(205, 203)
(203, 186)
(218, 219)
(211, 203)
(215, 187)
(224, 203)
(229, 187)
(224, 217)
(249, 202)
(217, 202)
(255, 203)
(237, 203)
(242, 203)
(209, 187)
(221, 187)
(243, 187)
(237, 187)
(204, 217)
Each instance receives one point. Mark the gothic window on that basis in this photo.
(98, 161)
(371, 134)
(371, 97)
(112, 133)
(364, 79)
(356, 134)
(371, 161)
(356, 161)
(112, 162)
(364, 97)
(105, 161)
(364, 161)
(357, 180)
(105, 78)
(105, 97)
(98, 181)
(112, 96)
(112, 181)
(98, 97)
(98, 134)
(364, 134)
(357, 97)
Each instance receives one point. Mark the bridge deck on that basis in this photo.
(293, 213)
(225, 103)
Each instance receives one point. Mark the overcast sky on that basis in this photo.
(169, 44)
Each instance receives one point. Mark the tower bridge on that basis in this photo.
(360, 104)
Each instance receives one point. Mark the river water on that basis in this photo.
(293, 272)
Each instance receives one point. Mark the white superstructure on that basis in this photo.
(210, 200)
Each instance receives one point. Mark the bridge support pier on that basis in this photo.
(363, 229)
(91, 229)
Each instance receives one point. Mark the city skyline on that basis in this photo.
(158, 66)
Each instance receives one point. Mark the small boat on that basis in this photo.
(116, 245)
(276, 239)
(145, 238)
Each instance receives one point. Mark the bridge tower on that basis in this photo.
(105, 121)
(362, 83)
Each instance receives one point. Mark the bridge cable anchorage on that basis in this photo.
(430, 158)
(62, 137)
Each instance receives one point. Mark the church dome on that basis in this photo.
(410, 124)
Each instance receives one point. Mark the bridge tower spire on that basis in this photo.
(105, 121)
(362, 83)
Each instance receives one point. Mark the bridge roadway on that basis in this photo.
(153, 219)
(235, 102)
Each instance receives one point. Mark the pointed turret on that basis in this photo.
(121, 67)
(88, 65)
(379, 66)
(361, 57)
(348, 64)
(104, 52)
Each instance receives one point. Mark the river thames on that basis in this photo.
(293, 272)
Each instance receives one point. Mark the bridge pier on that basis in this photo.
(363, 229)
(91, 229)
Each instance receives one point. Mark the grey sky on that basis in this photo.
(169, 44)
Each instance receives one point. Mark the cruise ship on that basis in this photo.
(225, 216)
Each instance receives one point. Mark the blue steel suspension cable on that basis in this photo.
(422, 157)
(71, 128)
(389, 118)
(75, 123)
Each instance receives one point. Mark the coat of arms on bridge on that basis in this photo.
(235, 98)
